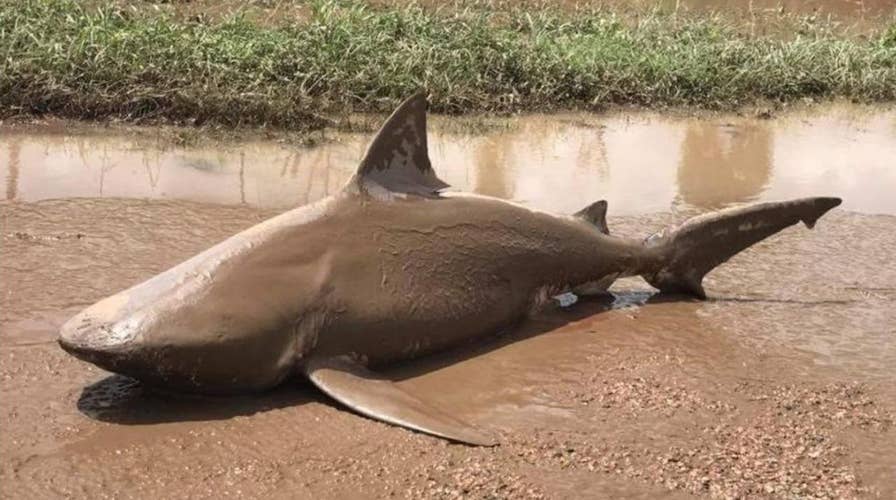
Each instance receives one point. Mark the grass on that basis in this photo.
(78, 60)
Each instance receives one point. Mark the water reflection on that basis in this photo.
(640, 162)
(488, 159)
(12, 174)
(724, 164)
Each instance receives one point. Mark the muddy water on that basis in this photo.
(781, 385)
(641, 163)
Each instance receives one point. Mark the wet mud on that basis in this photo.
(780, 385)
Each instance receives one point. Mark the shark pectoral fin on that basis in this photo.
(353, 385)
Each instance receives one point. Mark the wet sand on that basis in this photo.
(780, 385)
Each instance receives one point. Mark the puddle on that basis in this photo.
(641, 163)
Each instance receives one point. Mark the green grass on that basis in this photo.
(62, 58)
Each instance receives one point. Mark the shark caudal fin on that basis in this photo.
(694, 248)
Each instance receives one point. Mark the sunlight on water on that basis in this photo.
(640, 163)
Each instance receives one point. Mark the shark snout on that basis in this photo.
(89, 340)
(100, 334)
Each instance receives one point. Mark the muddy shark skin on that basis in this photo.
(389, 269)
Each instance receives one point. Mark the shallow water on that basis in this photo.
(621, 382)
(640, 163)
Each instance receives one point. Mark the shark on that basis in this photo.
(392, 267)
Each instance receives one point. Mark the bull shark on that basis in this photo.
(390, 268)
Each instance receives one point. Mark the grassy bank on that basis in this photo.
(63, 58)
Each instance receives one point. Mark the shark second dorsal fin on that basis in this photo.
(397, 160)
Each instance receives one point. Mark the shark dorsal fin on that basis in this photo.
(397, 160)
(595, 214)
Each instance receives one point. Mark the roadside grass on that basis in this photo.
(78, 60)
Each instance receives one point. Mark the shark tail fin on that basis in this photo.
(689, 251)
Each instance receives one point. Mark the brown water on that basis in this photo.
(640, 163)
(780, 385)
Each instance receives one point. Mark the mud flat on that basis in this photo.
(780, 385)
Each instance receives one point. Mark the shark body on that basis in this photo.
(389, 269)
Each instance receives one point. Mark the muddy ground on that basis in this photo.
(778, 386)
